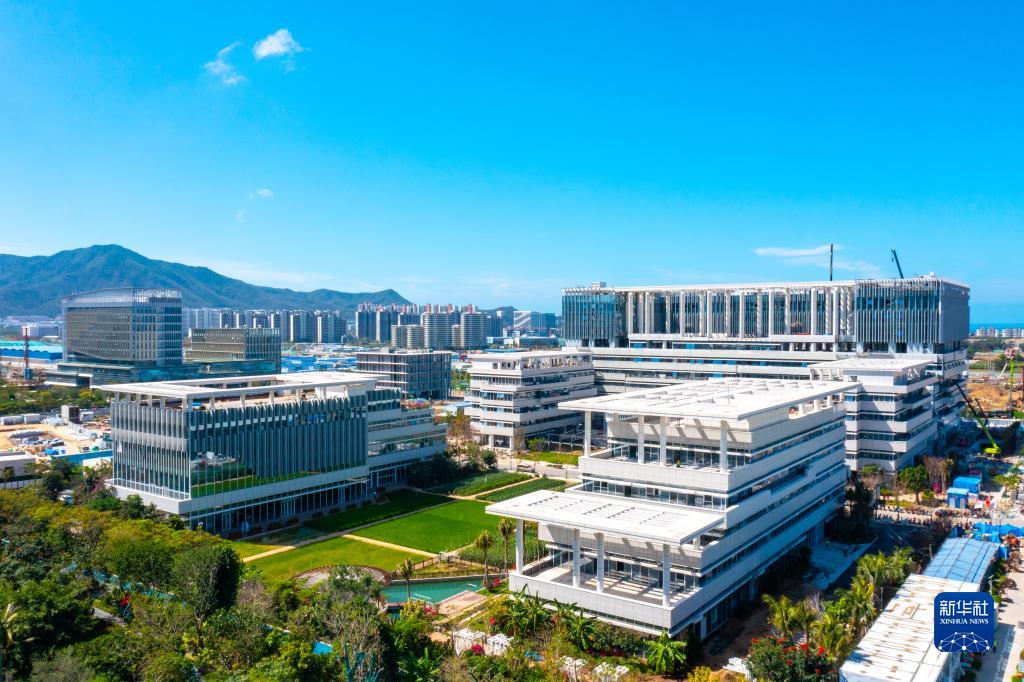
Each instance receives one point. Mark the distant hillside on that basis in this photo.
(33, 285)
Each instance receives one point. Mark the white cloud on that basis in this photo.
(222, 69)
(262, 193)
(280, 43)
(818, 256)
(240, 216)
(786, 252)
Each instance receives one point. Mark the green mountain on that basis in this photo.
(33, 285)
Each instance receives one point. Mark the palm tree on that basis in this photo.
(832, 633)
(506, 529)
(8, 629)
(406, 569)
(580, 630)
(858, 603)
(781, 614)
(423, 668)
(665, 655)
(484, 542)
(804, 613)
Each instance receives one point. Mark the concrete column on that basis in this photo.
(760, 313)
(723, 446)
(835, 312)
(629, 313)
(519, 547)
(742, 317)
(707, 313)
(666, 575)
(814, 311)
(586, 433)
(662, 437)
(771, 313)
(241, 400)
(702, 324)
(575, 557)
(789, 307)
(600, 563)
(640, 439)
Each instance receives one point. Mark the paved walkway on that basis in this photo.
(391, 545)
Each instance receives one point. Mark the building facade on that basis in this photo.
(890, 420)
(235, 455)
(515, 396)
(423, 374)
(246, 343)
(653, 336)
(702, 488)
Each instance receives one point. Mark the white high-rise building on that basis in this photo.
(516, 396)
(889, 417)
(702, 488)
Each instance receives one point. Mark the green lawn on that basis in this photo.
(438, 529)
(328, 553)
(523, 488)
(278, 538)
(566, 458)
(479, 484)
(398, 502)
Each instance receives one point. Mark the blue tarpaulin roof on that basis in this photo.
(962, 559)
(970, 482)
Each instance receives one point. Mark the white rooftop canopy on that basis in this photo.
(875, 364)
(194, 389)
(898, 646)
(726, 398)
(617, 517)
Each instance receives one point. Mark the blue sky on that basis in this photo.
(496, 153)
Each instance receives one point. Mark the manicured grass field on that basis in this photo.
(479, 484)
(398, 502)
(279, 538)
(328, 553)
(523, 488)
(438, 529)
(566, 458)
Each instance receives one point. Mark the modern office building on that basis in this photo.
(235, 454)
(247, 343)
(121, 334)
(515, 396)
(653, 336)
(703, 487)
(417, 374)
(890, 419)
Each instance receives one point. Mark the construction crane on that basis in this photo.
(896, 259)
(982, 419)
(1011, 356)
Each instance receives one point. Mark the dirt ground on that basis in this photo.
(992, 395)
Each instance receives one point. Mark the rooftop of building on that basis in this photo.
(529, 354)
(122, 295)
(727, 398)
(771, 285)
(898, 646)
(869, 364)
(235, 388)
(962, 559)
(617, 516)
(403, 351)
